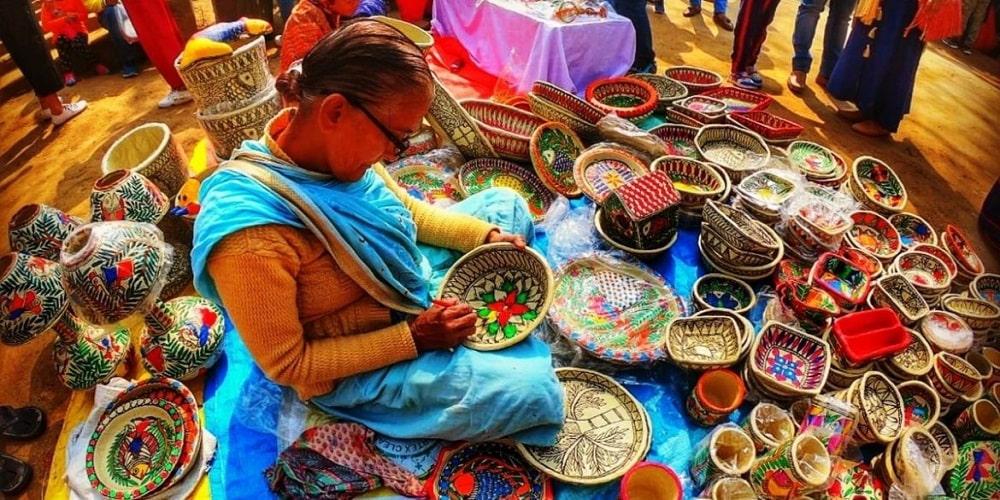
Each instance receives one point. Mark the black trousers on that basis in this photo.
(22, 37)
(75, 53)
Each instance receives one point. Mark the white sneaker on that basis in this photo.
(175, 98)
(69, 111)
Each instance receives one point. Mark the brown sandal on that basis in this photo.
(692, 11)
(723, 21)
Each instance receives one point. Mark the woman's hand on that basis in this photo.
(498, 236)
(445, 325)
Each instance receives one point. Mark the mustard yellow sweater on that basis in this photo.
(304, 321)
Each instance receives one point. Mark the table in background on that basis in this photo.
(509, 39)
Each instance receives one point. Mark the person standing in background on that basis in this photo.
(718, 8)
(751, 30)
(161, 39)
(67, 21)
(22, 37)
(129, 52)
(635, 11)
(834, 35)
(973, 15)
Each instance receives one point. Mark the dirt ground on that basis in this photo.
(944, 153)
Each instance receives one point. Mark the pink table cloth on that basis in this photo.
(512, 40)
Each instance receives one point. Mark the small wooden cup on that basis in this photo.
(651, 481)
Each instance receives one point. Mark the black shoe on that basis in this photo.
(21, 423)
(15, 475)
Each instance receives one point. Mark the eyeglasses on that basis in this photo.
(400, 143)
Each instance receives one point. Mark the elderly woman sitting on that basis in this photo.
(326, 266)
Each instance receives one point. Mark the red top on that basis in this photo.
(64, 17)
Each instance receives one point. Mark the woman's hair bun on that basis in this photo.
(287, 83)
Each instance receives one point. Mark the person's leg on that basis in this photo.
(694, 8)
(635, 11)
(128, 53)
(720, 17)
(834, 36)
(804, 32)
(764, 18)
(460, 395)
(159, 35)
(658, 7)
(977, 16)
(64, 48)
(285, 8)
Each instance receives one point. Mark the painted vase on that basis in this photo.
(643, 213)
(39, 230)
(125, 195)
(182, 338)
(112, 269)
(86, 355)
(795, 466)
(152, 151)
(32, 297)
(716, 394)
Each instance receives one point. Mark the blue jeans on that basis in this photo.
(834, 35)
(718, 6)
(635, 11)
(129, 53)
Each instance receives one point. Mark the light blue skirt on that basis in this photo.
(461, 394)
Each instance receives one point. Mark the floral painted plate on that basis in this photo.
(606, 432)
(484, 173)
(487, 470)
(509, 289)
(135, 448)
(554, 148)
(618, 312)
(429, 184)
(913, 230)
(600, 171)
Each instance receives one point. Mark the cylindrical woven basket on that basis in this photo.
(628, 98)
(236, 78)
(227, 129)
(556, 95)
(507, 128)
(741, 152)
(697, 80)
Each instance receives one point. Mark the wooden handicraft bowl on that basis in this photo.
(704, 342)
(599, 412)
(719, 291)
(986, 287)
(790, 362)
(508, 129)
(897, 293)
(812, 160)
(913, 230)
(554, 148)
(629, 98)
(510, 289)
(978, 313)
(921, 403)
(484, 173)
(618, 312)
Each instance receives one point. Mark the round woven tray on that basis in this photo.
(628, 98)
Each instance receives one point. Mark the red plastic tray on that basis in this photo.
(769, 126)
(865, 336)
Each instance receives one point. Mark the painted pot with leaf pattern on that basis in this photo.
(32, 297)
(86, 355)
(39, 230)
(182, 338)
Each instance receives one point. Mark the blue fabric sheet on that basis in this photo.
(245, 451)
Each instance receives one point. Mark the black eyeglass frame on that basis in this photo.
(401, 144)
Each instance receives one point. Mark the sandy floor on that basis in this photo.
(945, 153)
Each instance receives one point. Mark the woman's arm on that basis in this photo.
(256, 272)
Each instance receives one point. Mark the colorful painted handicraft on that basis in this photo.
(617, 312)
(606, 432)
(484, 173)
(430, 184)
(509, 289)
(643, 213)
(182, 338)
(486, 470)
(554, 148)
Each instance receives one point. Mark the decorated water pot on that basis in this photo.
(127, 196)
(39, 230)
(182, 338)
(86, 355)
(32, 297)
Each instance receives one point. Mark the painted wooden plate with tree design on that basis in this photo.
(135, 448)
(486, 470)
(606, 431)
(509, 289)
(554, 148)
(618, 312)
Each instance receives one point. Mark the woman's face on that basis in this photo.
(358, 140)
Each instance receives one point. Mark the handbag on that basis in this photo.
(124, 23)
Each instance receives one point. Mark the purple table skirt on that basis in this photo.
(509, 40)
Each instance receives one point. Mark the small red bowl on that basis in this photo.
(651, 480)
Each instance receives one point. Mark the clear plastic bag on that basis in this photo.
(622, 131)
(571, 233)
(268, 408)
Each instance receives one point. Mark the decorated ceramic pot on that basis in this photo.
(112, 269)
(768, 426)
(32, 297)
(642, 213)
(39, 230)
(229, 124)
(152, 151)
(979, 421)
(797, 465)
(976, 474)
(726, 451)
(651, 480)
(182, 338)
(235, 78)
(124, 195)
(716, 394)
(86, 355)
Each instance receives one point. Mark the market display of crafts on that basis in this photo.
(824, 316)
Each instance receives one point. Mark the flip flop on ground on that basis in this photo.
(21, 423)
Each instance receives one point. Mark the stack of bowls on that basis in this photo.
(814, 228)
(816, 162)
(954, 242)
(763, 193)
(786, 364)
(881, 418)
(734, 243)
(915, 361)
(927, 273)
(695, 181)
(873, 183)
(982, 316)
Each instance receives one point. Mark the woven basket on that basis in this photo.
(555, 95)
(668, 90)
(770, 127)
(696, 80)
(695, 181)
(739, 151)
(554, 148)
(594, 184)
(237, 78)
(508, 129)
(703, 109)
(740, 100)
(449, 119)
(228, 129)
(888, 179)
(628, 98)
(553, 112)
(680, 118)
(484, 173)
